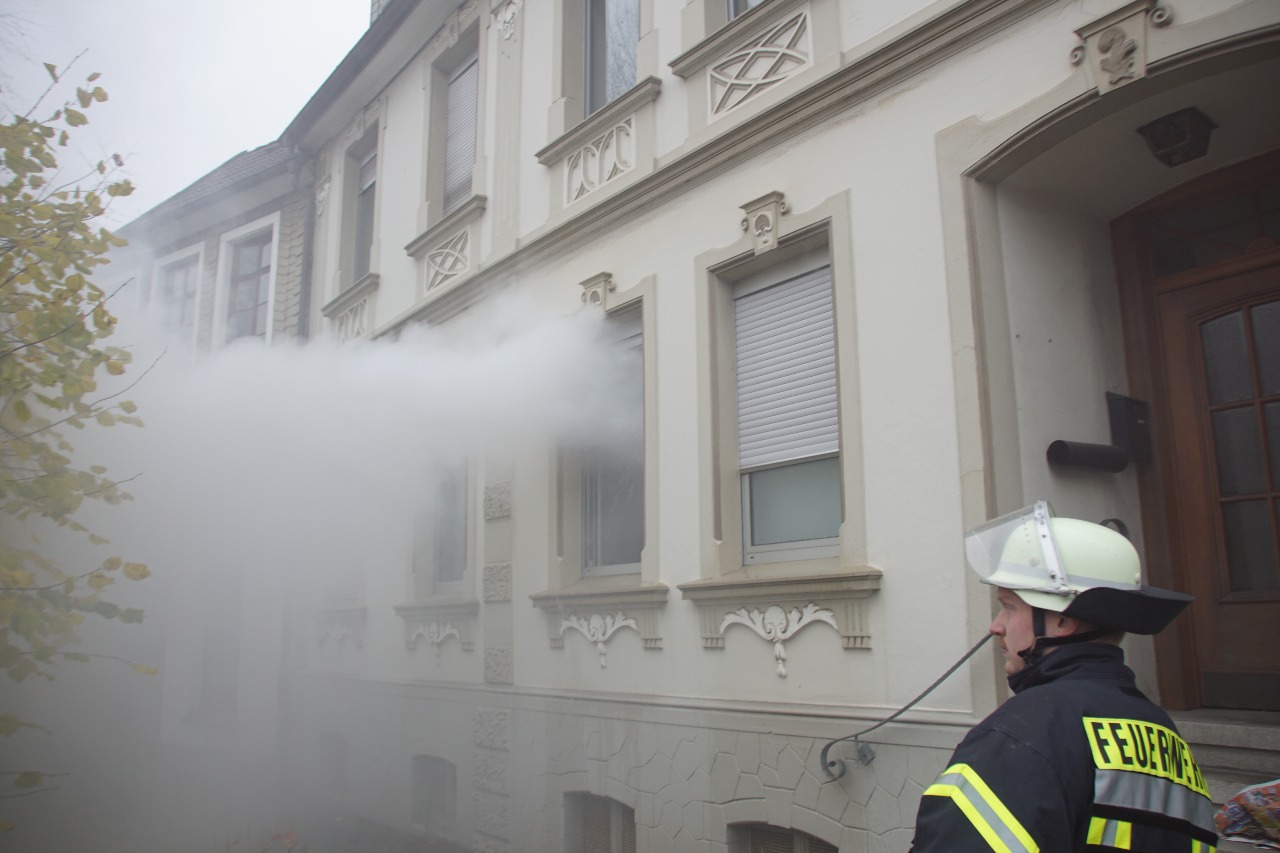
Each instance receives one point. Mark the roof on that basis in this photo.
(239, 169)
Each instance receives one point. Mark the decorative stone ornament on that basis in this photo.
(506, 18)
(434, 633)
(1113, 47)
(339, 624)
(595, 290)
(777, 625)
(598, 628)
(761, 220)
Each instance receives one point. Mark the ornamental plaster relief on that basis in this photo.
(1113, 48)
(449, 32)
(353, 323)
(438, 621)
(777, 625)
(339, 625)
(434, 633)
(759, 64)
(499, 665)
(450, 260)
(606, 157)
(497, 500)
(506, 18)
(598, 629)
(497, 582)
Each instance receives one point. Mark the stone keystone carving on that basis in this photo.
(777, 625)
(595, 288)
(598, 629)
(1114, 47)
(761, 220)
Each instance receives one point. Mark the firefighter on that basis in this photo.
(1078, 759)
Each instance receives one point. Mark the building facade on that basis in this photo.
(880, 272)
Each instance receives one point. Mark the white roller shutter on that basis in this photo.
(786, 359)
(460, 134)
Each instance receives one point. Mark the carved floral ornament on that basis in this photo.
(340, 624)
(1114, 47)
(777, 625)
(598, 628)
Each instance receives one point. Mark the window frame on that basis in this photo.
(451, 202)
(441, 70)
(577, 804)
(364, 150)
(571, 105)
(783, 272)
(188, 255)
(226, 255)
(419, 817)
(426, 581)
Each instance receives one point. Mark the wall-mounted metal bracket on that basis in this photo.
(1130, 440)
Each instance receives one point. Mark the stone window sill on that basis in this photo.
(598, 607)
(438, 619)
(644, 92)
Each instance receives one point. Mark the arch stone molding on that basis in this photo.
(1114, 47)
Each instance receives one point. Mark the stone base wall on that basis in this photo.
(689, 781)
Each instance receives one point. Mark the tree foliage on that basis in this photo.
(53, 324)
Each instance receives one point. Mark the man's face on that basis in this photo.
(1013, 626)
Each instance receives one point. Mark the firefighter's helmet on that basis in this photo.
(1077, 568)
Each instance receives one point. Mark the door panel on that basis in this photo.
(1220, 342)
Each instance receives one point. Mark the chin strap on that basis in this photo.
(1042, 643)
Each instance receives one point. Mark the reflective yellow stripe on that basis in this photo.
(994, 822)
(1110, 833)
(1198, 846)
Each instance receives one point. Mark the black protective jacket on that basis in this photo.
(1077, 760)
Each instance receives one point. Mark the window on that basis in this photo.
(440, 560)
(761, 838)
(366, 202)
(434, 795)
(598, 825)
(179, 286)
(249, 286)
(613, 31)
(738, 7)
(788, 420)
(613, 473)
(461, 113)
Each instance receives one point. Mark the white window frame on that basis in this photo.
(427, 582)
(164, 263)
(358, 212)
(581, 470)
(226, 247)
(780, 274)
(366, 148)
(448, 205)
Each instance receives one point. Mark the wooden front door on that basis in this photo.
(1200, 273)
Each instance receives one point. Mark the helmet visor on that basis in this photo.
(1017, 551)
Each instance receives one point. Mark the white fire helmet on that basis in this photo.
(1073, 567)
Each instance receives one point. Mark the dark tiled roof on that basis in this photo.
(243, 166)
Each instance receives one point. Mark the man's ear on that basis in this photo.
(1063, 626)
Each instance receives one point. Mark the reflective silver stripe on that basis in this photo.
(1142, 792)
(993, 820)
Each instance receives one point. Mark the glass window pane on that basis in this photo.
(795, 503)
(1266, 344)
(450, 527)
(1251, 558)
(1226, 361)
(613, 30)
(613, 506)
(1239, 453)
(1272, 414)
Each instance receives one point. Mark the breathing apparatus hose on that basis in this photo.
(835, 767)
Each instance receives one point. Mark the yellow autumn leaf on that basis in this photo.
(136, 571)
(143, 669)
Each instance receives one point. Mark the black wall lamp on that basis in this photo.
(1130, 440)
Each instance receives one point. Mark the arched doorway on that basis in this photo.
(1199, 275)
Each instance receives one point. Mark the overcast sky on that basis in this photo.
(191, 83)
